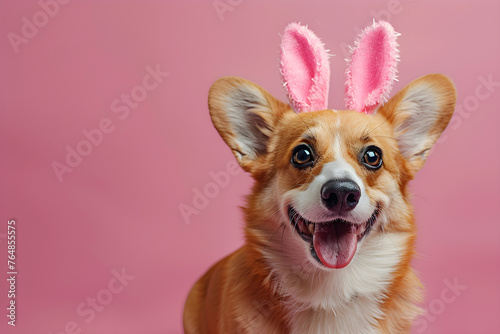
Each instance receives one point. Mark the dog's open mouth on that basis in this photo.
(333, 243)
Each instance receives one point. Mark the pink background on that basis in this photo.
(120, 207)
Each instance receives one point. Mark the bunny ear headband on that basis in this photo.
(306, 72)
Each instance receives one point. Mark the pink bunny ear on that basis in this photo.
(304, 69)
(372, 70)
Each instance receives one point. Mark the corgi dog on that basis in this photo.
(329, 228)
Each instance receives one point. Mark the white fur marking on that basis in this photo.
(308, 202)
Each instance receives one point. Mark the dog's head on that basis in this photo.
(335, 178)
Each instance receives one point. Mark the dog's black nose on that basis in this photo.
(340, 196)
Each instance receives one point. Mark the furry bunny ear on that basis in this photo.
(304, 69)
(372, 69)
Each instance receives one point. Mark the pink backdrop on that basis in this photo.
(115, 211)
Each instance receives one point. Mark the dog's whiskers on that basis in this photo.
(303, 269)
(275, 212)
(271, 238)
(335, 313)
(389, 137)
(282, 234)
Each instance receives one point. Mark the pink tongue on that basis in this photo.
(335, 244)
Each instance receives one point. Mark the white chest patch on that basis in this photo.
(343, 301)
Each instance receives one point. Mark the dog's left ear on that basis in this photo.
(419, 114)
(245, 116)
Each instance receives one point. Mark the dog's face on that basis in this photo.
(341, 168)
(335, 178)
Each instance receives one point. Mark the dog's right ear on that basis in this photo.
(245, 115)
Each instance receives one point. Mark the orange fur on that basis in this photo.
(247, 292)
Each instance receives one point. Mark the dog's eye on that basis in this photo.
(302, 156)
(373, 157)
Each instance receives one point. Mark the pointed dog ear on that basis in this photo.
(372, 69)
(245, 115)
(305, 70)
(419, 114)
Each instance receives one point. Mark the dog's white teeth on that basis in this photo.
(311, 228)
(296, 220)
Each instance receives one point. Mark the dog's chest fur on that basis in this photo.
(344, 301)
(355, 317)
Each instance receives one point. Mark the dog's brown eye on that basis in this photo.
(302, 156)
(372, 157)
